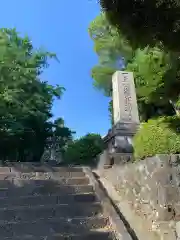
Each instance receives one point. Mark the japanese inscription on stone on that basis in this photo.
(124, 98)
(127, 99)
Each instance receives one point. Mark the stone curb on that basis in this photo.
(121, 232)
(134, 221)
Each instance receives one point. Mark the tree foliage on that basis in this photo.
(156, 71)
(146, 22)
(157, 136)
(112, 49)
(156, 80)
(25, 99)
(84, 150)
(65, 134)
(110, 109)
(107, 39)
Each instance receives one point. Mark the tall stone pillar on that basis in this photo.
(126, 118)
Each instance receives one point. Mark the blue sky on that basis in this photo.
(63, 28)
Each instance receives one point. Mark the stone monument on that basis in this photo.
(118, 141)
(52, 153)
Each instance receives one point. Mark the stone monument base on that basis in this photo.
(118, 144)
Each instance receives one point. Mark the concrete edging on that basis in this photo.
(118, 225)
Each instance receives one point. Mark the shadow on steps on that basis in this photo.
(46, 202)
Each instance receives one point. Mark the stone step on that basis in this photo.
(66, 181)
(29, 190)
(49, 211)
(42, 182)
(95, 235)
(41, 175)
(5, 170)
(27, 168)
(47, 227)
(48, 200)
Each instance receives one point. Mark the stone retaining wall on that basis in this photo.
(152, 188)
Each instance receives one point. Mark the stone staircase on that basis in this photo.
(49, 203)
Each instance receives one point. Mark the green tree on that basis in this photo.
(84, 150)
(64, 133)
(113, 52)
(156, 71)
(25, 100)
(108, 40)
(146, 22)
(110, 109)
(157, 136)
(156, 80)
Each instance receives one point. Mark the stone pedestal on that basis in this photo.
(52, 151)
(119, 138)
(118, 144)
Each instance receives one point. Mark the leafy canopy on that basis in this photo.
(111, 49)
(157, 136)
(25, 100)
(156, 70)
(146, 22)
(84, 150)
